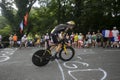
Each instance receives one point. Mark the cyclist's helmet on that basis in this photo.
(71, 23)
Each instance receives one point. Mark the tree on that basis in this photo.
(15, 16)
(89, 15)
(3, 22)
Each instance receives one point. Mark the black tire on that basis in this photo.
(66, 57)
(41, 58)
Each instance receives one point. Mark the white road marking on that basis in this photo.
(73, 65)
(79, 57)
(61, 70)
(4, 58)
(85, 70)
(74, 68)
(6, 54)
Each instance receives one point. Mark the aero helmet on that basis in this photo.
(71, 22)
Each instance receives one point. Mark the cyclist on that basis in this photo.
(61, 28)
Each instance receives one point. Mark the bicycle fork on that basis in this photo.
(65, 49)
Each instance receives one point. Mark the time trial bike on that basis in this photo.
(43, 56)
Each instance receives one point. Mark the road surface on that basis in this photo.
(88, 64)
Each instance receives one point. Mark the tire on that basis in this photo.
(66, 57)
(41, 58)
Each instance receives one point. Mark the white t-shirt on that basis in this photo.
(24, 39)
(80, 37)
(46, 37)
(115, 33)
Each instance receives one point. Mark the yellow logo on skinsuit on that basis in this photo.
(53, 30)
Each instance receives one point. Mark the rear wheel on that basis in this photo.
(68, 54)
(41, 57)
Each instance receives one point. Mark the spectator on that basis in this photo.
(72, 38)
(76, 40)
(23, 41)
(105, 34)
(37, 43)
(47, 40)
(89, 39)
(99, 38)
(80, 40)
(11, 40)
(115, 33)
(15, 38)
(30, 40)
(94, 37)
(42, 40)
(119, 39)
(36, 36)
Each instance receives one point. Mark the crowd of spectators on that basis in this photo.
(104, 38)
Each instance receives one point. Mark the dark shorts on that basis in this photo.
(98, 40)
(112, 39)
(54, 38)
(105, 39)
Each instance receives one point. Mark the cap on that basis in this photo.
(114, 27)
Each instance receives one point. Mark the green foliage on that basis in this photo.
(3, 22)
(99, 14)
(15, 16)
(89, 15)
(6, 31)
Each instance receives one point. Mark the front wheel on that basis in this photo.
(67, 54)
(41, 57)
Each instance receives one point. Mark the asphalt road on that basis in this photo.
(88, 64)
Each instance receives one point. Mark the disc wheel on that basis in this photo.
(41, 58)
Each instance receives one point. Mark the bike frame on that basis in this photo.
(64, 45)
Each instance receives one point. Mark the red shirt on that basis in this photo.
(119, 37)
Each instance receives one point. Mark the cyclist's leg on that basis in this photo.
(55, 41)
(58, 47)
